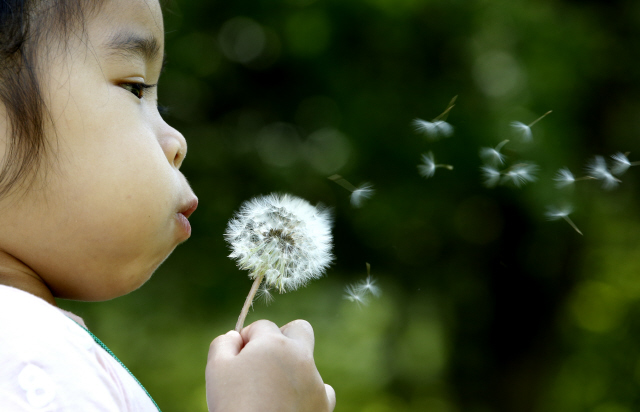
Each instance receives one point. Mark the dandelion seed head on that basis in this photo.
(564, 178)
(283, 237)
(433, 130)
(491, 176)
(620, 163)
(362, 193)
(521, 174)
(428, 166)
(523, 130)
(597, 169)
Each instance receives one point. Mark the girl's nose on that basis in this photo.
(174, 145)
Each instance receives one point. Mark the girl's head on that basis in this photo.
(91, 196)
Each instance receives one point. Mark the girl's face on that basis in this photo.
(112, 202)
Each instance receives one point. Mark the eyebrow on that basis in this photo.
(131, 45)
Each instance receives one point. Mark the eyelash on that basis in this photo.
(137, 89)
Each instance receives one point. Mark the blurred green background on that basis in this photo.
(486, 306)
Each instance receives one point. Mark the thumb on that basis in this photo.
(225, 346)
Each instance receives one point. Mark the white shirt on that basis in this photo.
(49, 363)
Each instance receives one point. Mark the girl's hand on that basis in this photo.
(268, 369)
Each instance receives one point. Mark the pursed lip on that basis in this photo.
(189, 207)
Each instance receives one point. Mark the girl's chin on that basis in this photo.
(120, 285)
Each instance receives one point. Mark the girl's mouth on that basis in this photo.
(189, 208)
(184, 224)
(183, 215)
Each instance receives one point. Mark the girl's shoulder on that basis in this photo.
(39, 348)
(24, 316)
(47, 359)
(29, 325)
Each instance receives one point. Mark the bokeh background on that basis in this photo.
(486, 306)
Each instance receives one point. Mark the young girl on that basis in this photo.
(92, 201)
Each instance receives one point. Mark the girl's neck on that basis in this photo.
(16, 274)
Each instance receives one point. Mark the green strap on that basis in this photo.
(103, 346)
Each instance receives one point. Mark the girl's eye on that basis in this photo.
(137, 89)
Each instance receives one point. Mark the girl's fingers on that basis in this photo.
(331, 395)
(301, 331)
(225, 346)
(258, 328)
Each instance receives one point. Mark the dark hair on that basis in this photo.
(25, 28)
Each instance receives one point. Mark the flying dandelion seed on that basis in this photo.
(491, 176)
(369, 286)
(438, 127)
(564, 178)
(621, 163)
(555, 213)
(433, 130)
(362, 193)
(353, 294)
(520, 174)
(492, 155)
(597, 169)
(358, 194)
(281, 240)
(264, 294)
(428, 167)
(524, 130)
(359, 291)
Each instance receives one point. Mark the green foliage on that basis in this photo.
(486, 306)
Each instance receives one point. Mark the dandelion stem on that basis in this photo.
(501, 144)
(248, 302)
(443, 115)
(573, 225)
(539, 118)
(342, 182)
